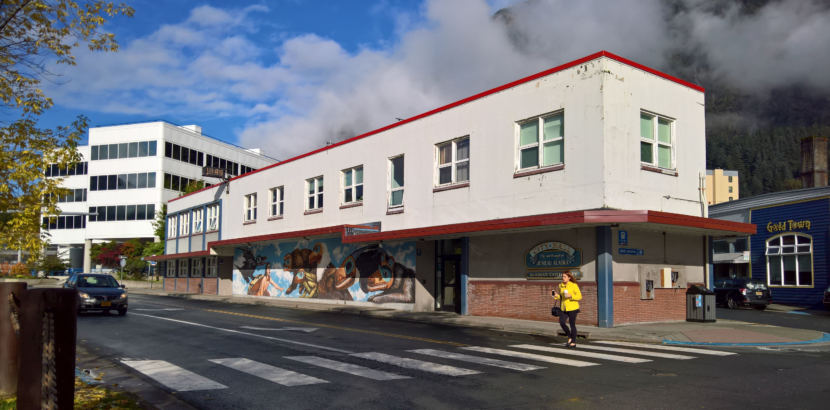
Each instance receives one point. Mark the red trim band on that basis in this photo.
(469, 99)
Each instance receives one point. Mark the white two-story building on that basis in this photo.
(595, 166)
(126, 173)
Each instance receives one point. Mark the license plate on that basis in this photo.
(759, 293)
(106, 303)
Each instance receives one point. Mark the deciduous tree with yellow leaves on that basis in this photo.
(33, 35)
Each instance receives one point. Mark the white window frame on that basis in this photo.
(655, 141)
(183, 272)
(249, 208)
(390, 179)
(794, 250)
(184, 224)
(198, 220)
(353, 186)
(540, 142)
(171, 268)
(196, 268)
(172, 228)
(212, 218)
(314, 193)
(212, 267)
(453, 163)
(276, 205)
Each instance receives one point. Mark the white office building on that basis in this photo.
(594, 167)
(126, 174)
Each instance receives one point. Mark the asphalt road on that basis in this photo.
(217, 355)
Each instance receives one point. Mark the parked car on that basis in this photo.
(98, 292)
(827, 298)
(739, 292)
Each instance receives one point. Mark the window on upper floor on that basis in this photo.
(171, 225)
(314, 188)
(790, 260)
(730, 189)
(453, 161)
(276, 202)
(657, 141)
(249, 207)
(213, 217)
(353, 185)
(541, 141)
(198, 218)
(184, 224)
(396, 181)
(730, 178)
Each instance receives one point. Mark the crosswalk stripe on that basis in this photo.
(172, 376)
(574, 352)
(637, 352)
(347, 368)
(672, 348)
(531, 356)
(523, 367)
(268, 372)
(416, 364)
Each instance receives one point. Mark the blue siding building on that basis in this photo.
(788, 252)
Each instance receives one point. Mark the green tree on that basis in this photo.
(193, 186)
(50, 263)
(160, 223)
(33, 34)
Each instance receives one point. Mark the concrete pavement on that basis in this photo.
(719, 333)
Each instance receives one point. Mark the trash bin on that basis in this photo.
(700, 304)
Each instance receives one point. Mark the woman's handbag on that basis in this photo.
(556, 310)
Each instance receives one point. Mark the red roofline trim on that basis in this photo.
(593, 217)
(469, 99)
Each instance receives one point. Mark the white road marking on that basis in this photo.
(347, 368)
(331, 349)
(268, 372)
(522, 367)
(158, 310)
(172, 376)
(298, 329)
(416, 364)
(531, 356)
(574, 352)
(672, 348)
(637, 352)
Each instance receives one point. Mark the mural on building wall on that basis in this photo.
(327, 269)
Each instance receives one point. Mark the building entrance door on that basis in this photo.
(448, 275)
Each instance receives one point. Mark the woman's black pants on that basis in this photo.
(570, 317)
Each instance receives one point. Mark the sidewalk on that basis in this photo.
(719, 333)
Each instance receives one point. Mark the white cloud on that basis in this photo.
(309, 89)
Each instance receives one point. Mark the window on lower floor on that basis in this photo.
(212, 267)
(790, 260)
(183, 267)
(196, 268)
(171, 269)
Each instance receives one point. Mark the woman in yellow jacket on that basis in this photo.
(570, 296)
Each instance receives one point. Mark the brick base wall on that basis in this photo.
(181, 285)
(531, 300)
(170, 284)
(195, 285)
(211, 286)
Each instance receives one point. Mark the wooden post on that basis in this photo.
(11, 295)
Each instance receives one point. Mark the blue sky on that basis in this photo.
(289, 75)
